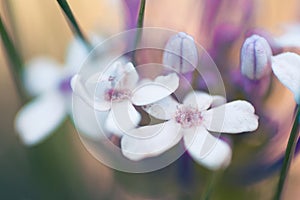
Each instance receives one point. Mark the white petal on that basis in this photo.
(164, 109)
(122, 117)
(129, 77)
(150, 141)
(218, 101)
(206, 149)
(121, 75)
(101, 103)
(39, 118)
(77, 53)
(291, 36)
(88, 97)
(150, 92)
(197, 99)
(286, 67)
(88, 122)
(234, 117)
(42, 74)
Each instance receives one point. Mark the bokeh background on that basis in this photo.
(61, 168)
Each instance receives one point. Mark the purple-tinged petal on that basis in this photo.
(256, 58)
(181, 53)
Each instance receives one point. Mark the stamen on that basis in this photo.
(188, 117)
(117, 95)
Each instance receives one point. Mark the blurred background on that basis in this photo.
(60, 167)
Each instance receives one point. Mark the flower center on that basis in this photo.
(188, 117)
(65, 85)
(117, 95)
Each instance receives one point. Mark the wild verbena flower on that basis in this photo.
(118, 89)
(195, 120)
(49, 83)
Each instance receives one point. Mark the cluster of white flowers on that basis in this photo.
(119, 90)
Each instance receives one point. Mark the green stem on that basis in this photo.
(140, 24)
(74, 25)
(289, 153)
(211, 185)
(14, 59)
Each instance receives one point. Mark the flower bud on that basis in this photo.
(181, 53)
(256, 57)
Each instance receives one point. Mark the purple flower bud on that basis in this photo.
(256, 58)
(181, 53)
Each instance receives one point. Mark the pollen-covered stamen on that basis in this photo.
(112, 80)
(117, 94)
(188, 117)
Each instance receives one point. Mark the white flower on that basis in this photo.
(117, 90)
(291, 36)
(194, 120)
(49, 83)
(286, 67)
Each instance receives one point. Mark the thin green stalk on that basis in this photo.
(140, 24)
(14, 59)
(211, 185)
(74, 25)
(289, 154)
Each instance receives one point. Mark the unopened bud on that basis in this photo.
(181, 53)
(256, 57)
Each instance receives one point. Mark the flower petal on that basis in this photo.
(286, 67)
(42, 74)
(129, 77)
(164, 109)
(290, 38)
(88, 122)
(200, 100)
(39, 118)
(218, 101)
(160, 88)
(81, 91)
(234, 117)
(120, 75)
(122, 117)
(150, 141)
(206, 149)
(77, 53)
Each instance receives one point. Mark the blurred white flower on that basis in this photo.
(194, 121)
(49, 84)
(181, 53)
(286, 67)
(116, 92)
(290, 38)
